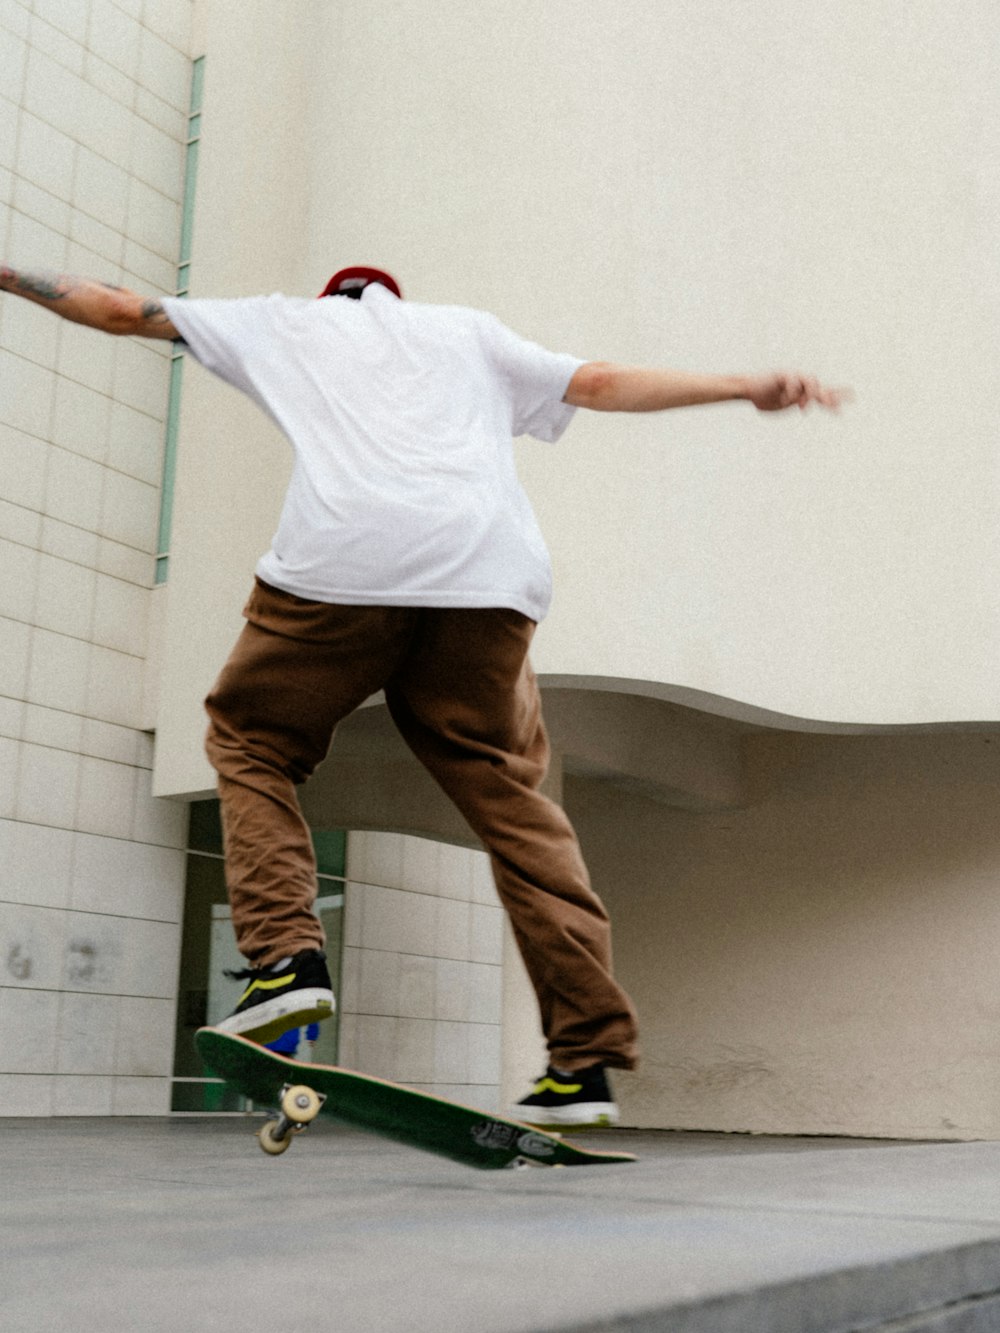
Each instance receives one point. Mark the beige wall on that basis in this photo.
(705, 183)
(821, 959)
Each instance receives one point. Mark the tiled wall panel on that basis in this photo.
(92, 126)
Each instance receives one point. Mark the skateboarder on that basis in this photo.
(407, 559)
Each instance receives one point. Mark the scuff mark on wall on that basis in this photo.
(19, 962)
(81, 966)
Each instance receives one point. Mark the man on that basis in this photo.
(407, 559)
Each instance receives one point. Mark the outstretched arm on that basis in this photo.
(96, 304)
(605, 387)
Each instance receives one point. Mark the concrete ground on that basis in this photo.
(183, 1224)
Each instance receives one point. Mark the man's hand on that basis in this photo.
(780, 390)
(96, 304)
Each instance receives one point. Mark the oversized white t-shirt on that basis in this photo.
(401, 417)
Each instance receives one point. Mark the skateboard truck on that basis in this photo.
(298, 1106)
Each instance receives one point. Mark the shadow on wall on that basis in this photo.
(808, 922)
(822, 959)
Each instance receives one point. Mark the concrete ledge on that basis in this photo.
(171, 1223)
(893, 1298)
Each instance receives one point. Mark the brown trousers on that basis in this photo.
(461, 690)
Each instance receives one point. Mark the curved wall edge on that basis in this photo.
(743, 710)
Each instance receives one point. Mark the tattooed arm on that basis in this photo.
(97, 304)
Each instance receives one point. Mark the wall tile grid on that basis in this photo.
(421, 982)
(92, 123)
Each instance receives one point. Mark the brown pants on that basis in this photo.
(461, 690)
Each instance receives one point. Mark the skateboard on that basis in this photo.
(301, 1091)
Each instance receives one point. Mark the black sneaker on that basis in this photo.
(288, 994)
(582, 1098)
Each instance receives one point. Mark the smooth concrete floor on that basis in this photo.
(183, 1224)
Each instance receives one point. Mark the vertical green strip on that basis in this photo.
(169, 468)
(183, 277)
(187, 223)
(197, 84)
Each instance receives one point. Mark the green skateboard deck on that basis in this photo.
(417, 1119)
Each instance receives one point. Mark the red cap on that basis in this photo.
(359, 276)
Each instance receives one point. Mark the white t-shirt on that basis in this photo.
(401, 416)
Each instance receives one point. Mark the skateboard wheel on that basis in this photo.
(300, 1104)
(270, 1142)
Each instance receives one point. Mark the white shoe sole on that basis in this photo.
(266, 1022)
(580, 1114)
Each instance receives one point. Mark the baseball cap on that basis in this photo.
(356, 278)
